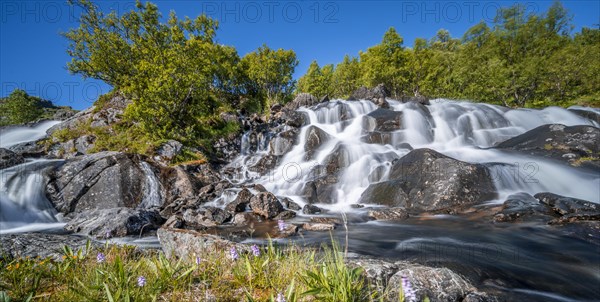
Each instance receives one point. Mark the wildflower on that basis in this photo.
(409, 293)
(100, 258)
(280, 298)
(107, 235)
(198, 260)
(281, 225)
(255, 250)
(141, 281)
(234, 253)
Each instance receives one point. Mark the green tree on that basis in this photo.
(346, 77)
(317, 81)
(272, 72)
(19, 108)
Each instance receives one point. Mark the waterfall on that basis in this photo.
(152, 197)
(11, 136)
(461, 130)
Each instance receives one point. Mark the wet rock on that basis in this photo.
(280, 145)
(285, 215)
(187, 244)
(240, 203)
(379, 138)
(245, 219)
(321, 190)
(315, 137)
(295, 119)
(40, 245)
(425, 180)
(377, 95)
(570, 209)
(326, 220)
(310, 209)
(338, 159)
(318, 227)
(383, 120)
(114, 222)
(33, 149)
(392, 214)
(290, 204)
(423, 100)
(98, 181)
(9, 158)
(302, 100)
(266, 163)
(577, 145)
(523, 207)
(205, 216)
(266, 205)
(589, 114)
(439, 284)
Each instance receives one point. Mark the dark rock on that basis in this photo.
(295, 118)
(559, 142)
(266, 163)
(285, 215)
(280, 145)
(589, 114)
(315, 137)
(432, 182)
(416, 99)
(290, 204)
(205, 217)
(9, 158)
(523, 207)
(573, 207)
(391, 214)
(259, 188)
(324, 99)
(377, 95)
(302, 100)
(240, 203)
(321, 190)
(383, 120)
(99, 181)
(318, 227)
(338, 159)
(41, 245)
(310, 209)
(29, 149)
(114, 222)
(266, 205)
(187, 244)
(379, 138)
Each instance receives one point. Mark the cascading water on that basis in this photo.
(461, 130)
(152, 196)
(11, 136)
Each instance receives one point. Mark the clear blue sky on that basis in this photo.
(33, 57)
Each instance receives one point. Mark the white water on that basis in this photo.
(152, 196)
(16, 135)
(458, 129)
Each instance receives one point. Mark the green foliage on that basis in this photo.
(317, 81)
(518, 60)
(19, 108)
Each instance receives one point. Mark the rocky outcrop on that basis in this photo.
(390, 214)
(577, 145)
(382, 120)
(425, 180)
(187, 244)
(569, 209)
(523, 207)
(205, 217)
(114, 222)
(377, 95)
(302, 100)
(266, 205)
(9, 158)
(314, 138)
(41, 245)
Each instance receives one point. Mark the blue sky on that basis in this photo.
(33, 57)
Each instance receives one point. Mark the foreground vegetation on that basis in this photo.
(124, 273)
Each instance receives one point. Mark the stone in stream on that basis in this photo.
(318, 227)
(314, 138)
(114, 222)
(425, 180)
(9, 158)
(312, 209)
(205, 216)
(266, 205)
(391, 214)
(241, 201)
(523, 207)
(383, 120)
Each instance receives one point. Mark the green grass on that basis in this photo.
(317, 274)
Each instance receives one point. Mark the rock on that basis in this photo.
(9, 158)
(302, 100)
(41, 245)
(378, 272)
(290, 204)
(439, 284)
(266, 163)
(379, 138)
(523, 207)
(377, 95)
(324, 99)
(559, 142)
(285, 215)
(416, 99)
(29, 149)
(102, 180)
(327, 220)
(425, 180)
(321, 189)
(392, 214)
(181, 183)
(84, 143)
(240, 203)
(187, 245)
(114, 222)
(245, 219)
(315, 137)
(168, 150)
(295, 119)
(589, 114)
(279, 145)
(205, 217)
(318, 227)
(383, 120)
(310, 209)
(562, 205)
(266, 205)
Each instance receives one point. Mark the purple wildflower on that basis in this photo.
(281, 225)
(234, 253)
(280, 298)
(100, 258)
(198, 260)
(409, 293)
(141, 281)
(255, 250)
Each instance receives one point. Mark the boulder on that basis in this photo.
(302, 100)
(423, 100)
(318, 227)
(383, 120)
(265, 164)
(241, 201)
(314, 138)
(41, 245)
(425, 180)
(114, 222)
(168, 151)
(266, 205)
(187, 244)
(591, 114)
(523, 207)
(29, 149)
(310, 209)
(280, 145)
(577, 145)
(205, 217)
(569, 209)
(285, 215)
(288, 203)
(295, 119)
(9, 158)
(102, 180)
(391, 214)
(321, 189)
(377, 95)
(245, 219)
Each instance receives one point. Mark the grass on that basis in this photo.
(112, 273)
